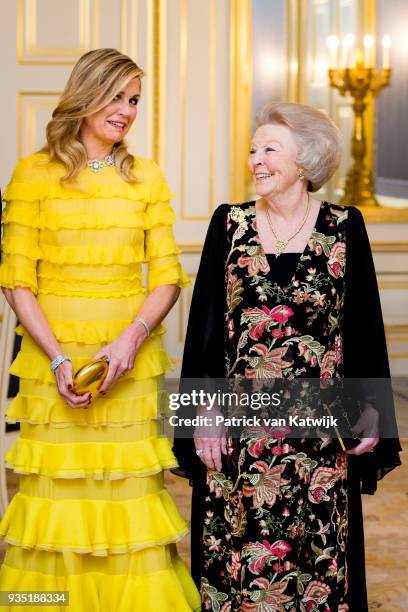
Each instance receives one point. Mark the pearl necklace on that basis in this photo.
(96, 165)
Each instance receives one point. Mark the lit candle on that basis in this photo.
(359, 59)
(333, 45)
(386, 45)
(348, 42)
(369, 51)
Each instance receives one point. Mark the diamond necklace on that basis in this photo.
(282, 244)
(97, 164)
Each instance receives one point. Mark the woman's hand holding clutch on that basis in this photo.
(121, 353)
(368, 426)
(63, 377)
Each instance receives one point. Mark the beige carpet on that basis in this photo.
(386, 534)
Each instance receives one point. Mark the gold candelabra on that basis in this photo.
(361, 81)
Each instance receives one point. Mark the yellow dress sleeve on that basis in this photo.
(20, 227)
(161, 251)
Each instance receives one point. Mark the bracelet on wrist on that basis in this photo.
(144, 324)
(57, 361)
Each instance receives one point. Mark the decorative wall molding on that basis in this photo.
(240, 95)
(185, 84)
(31, 50)
(128, 35)
(393, 188)
(29, 105)
(389, 247)
(377, 246)
(397, 340)
(383, 214)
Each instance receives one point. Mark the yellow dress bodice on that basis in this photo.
(87, 244)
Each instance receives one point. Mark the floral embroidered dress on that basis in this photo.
(270, 531)
(276, 523)
(92, 515)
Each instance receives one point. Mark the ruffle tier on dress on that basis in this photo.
(92, 515)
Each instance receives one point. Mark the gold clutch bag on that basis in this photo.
(91, 376)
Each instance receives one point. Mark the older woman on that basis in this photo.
(286, 289)
(92, 516)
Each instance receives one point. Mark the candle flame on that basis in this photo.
(348, 41)
(386, 41)
(333, 42)
(368, 41)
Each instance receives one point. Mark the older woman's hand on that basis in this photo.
(368, 426)
(121, 353)
(63, 376)
(210, 441)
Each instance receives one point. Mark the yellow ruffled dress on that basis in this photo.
(92, 515)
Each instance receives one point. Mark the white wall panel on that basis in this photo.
(184, 118)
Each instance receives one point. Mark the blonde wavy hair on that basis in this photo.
(316, 136)
(97, 77)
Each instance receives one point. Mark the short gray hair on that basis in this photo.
(316, 136)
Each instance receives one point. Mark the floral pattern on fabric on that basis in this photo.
(275, 518)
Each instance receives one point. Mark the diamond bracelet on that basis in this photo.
(57, 362)
(145, 325)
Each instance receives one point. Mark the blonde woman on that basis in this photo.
(92, 516)
(277, 522)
